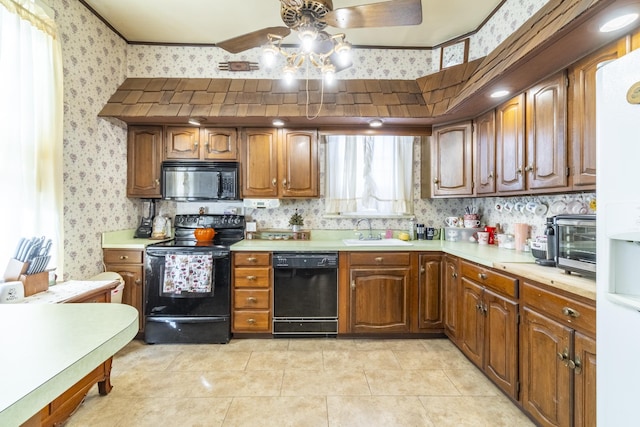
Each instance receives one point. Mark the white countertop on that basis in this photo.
(123, 239)
(47, 348)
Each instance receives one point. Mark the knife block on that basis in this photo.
(14, 269)
(35, 283)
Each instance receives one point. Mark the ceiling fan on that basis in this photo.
(318, 14)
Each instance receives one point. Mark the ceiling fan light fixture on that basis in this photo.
(269, 55)
(289, 73)
(307, 35)
(328, 72)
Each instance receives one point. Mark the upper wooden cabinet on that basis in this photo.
(280, 163)
(191, 143)
(485, 153)
(535, 160)
(451, 159)
(144, 161)
(582, 114)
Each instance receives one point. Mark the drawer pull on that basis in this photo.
(252, 299)
(567, 311)
(482, 276)
(378, 259)
(124, 257)
(252, 259)
(251, 321)
(251, 277)
(454, 275)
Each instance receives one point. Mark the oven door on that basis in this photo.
(170, 292)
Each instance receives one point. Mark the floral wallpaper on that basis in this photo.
(96, 61)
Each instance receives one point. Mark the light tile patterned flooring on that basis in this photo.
(298, 382)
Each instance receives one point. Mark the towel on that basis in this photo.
(185, 273)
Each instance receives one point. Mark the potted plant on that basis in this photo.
(296, 221)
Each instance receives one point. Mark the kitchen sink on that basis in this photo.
(379, 242)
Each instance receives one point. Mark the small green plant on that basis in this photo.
(296, 219)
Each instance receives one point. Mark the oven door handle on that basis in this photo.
(186, 319)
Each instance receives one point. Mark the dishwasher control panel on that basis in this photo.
(305, 260)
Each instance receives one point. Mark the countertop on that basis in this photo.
(123, 239)
(53, 347)
(65, 291)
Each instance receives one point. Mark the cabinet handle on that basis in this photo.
(378, 259)
(529, 168)
(195, 145)
(482, 276)
(251, 321)
(274, 182)
(124, 257)
(284, 183)
(436, 182)
(577, 366)
(519, 171)
(251, 277)
(422, 269)
(564, 357)
(353, 285)
(138, 282)
(454, 275)
(252, 299)
(252, 259)
(568, 311)
(156, 183)
(491, 175)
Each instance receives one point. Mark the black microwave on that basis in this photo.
(576, 243)
(191, 181)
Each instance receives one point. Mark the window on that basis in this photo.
(369, 175)
(31, 108)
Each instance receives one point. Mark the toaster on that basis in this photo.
(11, 292)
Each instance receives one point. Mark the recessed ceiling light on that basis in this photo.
(277, 122)
(499, 93)
(194, 121)
(618, 23)
(375, 123)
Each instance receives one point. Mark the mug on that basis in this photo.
(498, 207)
(531, 207)
(508, 207)
(430, 233)
(492, 234)
(483, 237)
(451, 221)
(471, 223)
(519, 207)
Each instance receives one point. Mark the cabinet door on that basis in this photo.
(298, 166)
(182, 143)
(546, 381)
(451, 289)
(582, 114)
(380, 300)
(144, 160)
(429, 292)
(584, 381)
(485, 153)
(471, 321)
(260, 163)
(220, 144)
(132, 294)
(452, 160)
(501, 342)
(510, 149)
(546, 114)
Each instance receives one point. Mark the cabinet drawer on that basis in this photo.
(122, 256)
(379, 258)
(259, 277)
(252, 259)
(565, 309)
(251, 298)
(498, 282)
(251, 321)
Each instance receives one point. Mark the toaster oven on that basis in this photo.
(576, 243)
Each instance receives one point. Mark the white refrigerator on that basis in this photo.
(618, 242)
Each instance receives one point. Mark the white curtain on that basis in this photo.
(369, 174)
(31, 110)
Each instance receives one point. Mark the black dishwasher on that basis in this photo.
(305, 294)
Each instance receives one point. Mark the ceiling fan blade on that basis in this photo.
(384, 14)
(251, 40)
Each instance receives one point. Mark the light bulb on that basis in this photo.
(328, 72)
(269, 54)
(288, 74)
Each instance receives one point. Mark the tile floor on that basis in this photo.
(298, 382)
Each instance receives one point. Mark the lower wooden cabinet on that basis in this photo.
(379, 296)
(558, 358)
(129, 263)
(488, 333)
(429, 310)
(252, 289)
(451, 298)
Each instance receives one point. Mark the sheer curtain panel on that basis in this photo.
(31, 108)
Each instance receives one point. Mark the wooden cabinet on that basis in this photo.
(451, 298)
(144, 160)
(535, 160)
(450, 156)
(429, 310)
(488, 333)
(380, 288)
(129, 263)
(582, 114)
(558, 358)
(280, 163)
(485, 153)
(192, 143)
(252, 290)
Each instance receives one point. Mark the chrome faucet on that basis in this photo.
(370, 237)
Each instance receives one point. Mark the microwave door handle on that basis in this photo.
(219, 184)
